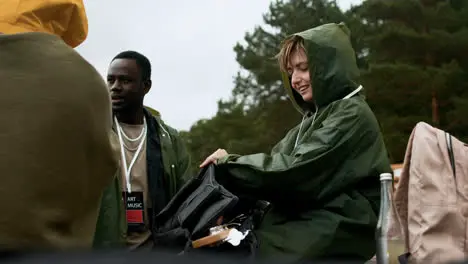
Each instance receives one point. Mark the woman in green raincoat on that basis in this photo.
(323, 177)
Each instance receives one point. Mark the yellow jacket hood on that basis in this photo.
(64, 18)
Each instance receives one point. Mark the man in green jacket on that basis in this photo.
(154, 160)
(323, 177)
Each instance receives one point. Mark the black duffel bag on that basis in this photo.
(197, 208)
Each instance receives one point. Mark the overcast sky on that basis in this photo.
(189, 43)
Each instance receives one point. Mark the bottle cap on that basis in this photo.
(386, 176)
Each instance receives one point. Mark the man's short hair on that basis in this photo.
(288, 46)
(141, 60)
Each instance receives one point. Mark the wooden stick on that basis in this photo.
(211, 239)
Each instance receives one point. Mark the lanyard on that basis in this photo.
(135, 156)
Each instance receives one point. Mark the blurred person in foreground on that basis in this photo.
(323, 177)
(155, 161)
(56, 157)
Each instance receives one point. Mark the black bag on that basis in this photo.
(196, 208)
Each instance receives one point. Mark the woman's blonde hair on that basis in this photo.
(289, 45)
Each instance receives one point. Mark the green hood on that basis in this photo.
(333, 65)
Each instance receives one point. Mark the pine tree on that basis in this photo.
(417, 66)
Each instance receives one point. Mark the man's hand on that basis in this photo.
(218, 154)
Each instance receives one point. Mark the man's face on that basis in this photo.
(298, 69)
(126, 85)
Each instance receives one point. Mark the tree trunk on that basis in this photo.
(435, 109)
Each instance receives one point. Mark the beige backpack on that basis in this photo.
(432, 197)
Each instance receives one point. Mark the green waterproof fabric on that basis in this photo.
(324, 189)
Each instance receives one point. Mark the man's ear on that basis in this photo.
(147, 86)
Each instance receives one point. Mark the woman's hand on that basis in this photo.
(218, 154)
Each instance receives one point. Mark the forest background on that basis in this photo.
(414, 67)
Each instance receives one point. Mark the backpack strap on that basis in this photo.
(448, 140)
(404, 259)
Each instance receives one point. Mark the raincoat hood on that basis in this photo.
(64, 18)
(333, 67)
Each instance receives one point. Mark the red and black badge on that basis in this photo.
(134, 207)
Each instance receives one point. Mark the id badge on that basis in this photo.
(135, 208)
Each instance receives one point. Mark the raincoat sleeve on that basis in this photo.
(309, 172)
(183, 162)
(111, 225)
